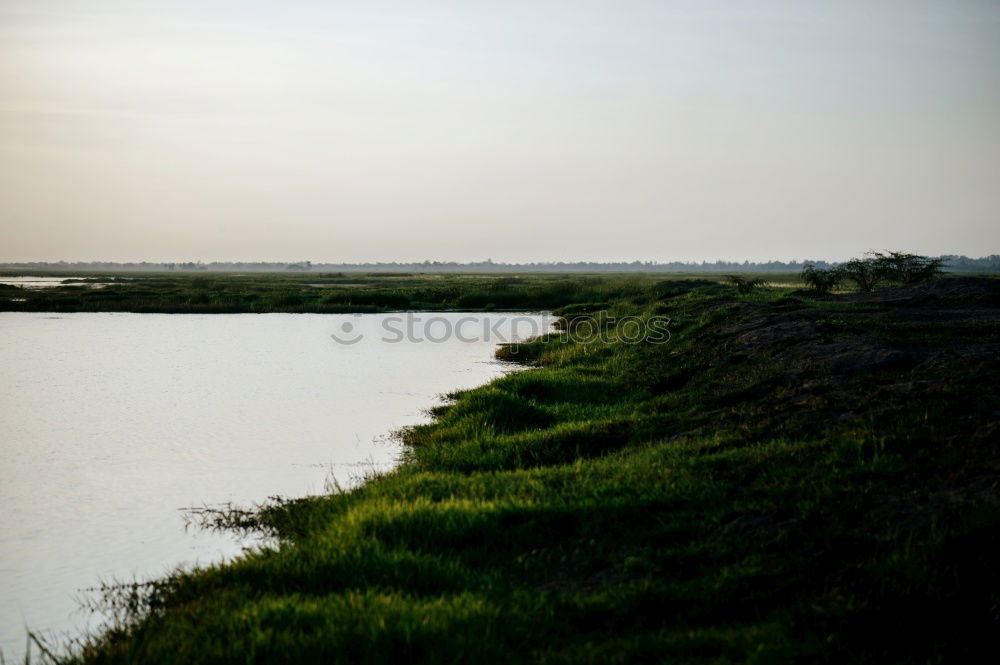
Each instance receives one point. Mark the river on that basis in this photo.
(112, 423)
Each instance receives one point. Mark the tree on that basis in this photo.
(865, 273)
(908, 268)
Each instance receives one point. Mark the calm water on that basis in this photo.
(110, 423)
(45, 282)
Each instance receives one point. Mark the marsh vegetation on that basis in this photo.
(323, 293)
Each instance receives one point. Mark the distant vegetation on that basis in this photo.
(872, 270)
(321, 293)
(341, 292)
(821, 280)
(952, 263)
(745, 285)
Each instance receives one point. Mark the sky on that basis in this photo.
(517, 130)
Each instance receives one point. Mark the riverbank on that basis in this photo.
(321, 293)
(785, 477)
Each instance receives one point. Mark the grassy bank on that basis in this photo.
(786, 477)
(324, 293)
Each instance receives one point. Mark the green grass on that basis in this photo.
(221, 293)
(757, 490)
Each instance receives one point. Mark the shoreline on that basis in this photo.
(748, 490)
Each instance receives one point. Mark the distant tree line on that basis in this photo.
(950, 263)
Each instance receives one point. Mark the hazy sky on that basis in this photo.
(517, 130)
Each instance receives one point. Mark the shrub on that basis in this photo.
(901, 267)
(865, 273)
(744, 285)
(820, 279)
(908, 268)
